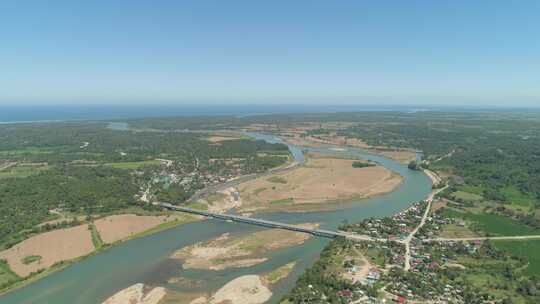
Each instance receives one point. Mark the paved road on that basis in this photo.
(408, 239)
(270, 224)
(469, 239)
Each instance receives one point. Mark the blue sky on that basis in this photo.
(373, 52)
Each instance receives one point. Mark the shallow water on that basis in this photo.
(145, 259)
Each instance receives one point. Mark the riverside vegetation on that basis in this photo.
(59, 175)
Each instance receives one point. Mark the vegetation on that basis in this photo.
(96, 238)
(73, 170)
(493, 224)
(134, 165)
(414, 165)
(279, 273)
(31, 259)
(359, 164)
(284, 201)
(527, 251)
(277, 179)
(7, 277)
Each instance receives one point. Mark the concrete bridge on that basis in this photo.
(268, 224)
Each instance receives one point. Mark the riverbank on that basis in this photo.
(239, 251)
(323, 181)
(47, 253)
(154, 252)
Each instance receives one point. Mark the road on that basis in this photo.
(270, 224)
(408, 239)
(485, 238)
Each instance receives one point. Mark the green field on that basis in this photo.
(472, 189)
(7, 277)
(198, 206)
(134, 165)
(22, 171)
(493, 224)
(517, 197)
(277, 180)
(467, 196)
(527, 249)
(25, 151)
(284, 201)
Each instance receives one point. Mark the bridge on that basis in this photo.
(269, 224)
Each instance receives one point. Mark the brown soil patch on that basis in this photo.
(403, 157)
(321, 180)
(439, 204)
(53, 247)
(118, 227)
(220, 138)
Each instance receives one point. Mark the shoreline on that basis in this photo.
(64, 264)
(165, 226)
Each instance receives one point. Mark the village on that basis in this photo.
(384, 278)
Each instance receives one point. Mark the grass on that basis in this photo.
(22, 171)
(198, 206)
(467, 196)
(251, 243)
(259, 190)
(25, 151)
(284, 201)
(472, 189)
(276, 275)
(517, 197)
(30, 259)
(493, 224)
(7, 277)
(96, 238)
(277, 180)
(455, 231)
(527, 249)
(134, 165)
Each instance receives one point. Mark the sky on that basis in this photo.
(264, 52)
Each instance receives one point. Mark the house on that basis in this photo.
(345, 294)
(400, 299)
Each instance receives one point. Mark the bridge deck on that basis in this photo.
(258, 222)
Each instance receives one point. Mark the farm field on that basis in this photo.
(133, 165)
(493, 224)
(527, 250)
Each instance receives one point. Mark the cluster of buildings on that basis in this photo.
(395, 228)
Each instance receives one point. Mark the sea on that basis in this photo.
(12, 114)
(40, 113)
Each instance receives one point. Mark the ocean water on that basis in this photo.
(9, 114)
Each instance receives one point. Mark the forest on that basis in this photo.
(62, 171)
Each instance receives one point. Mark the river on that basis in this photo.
(145, 260)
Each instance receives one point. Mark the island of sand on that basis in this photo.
(229, 251)
(137, 294)
(322, 180)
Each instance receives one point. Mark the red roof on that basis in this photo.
(401, 299)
